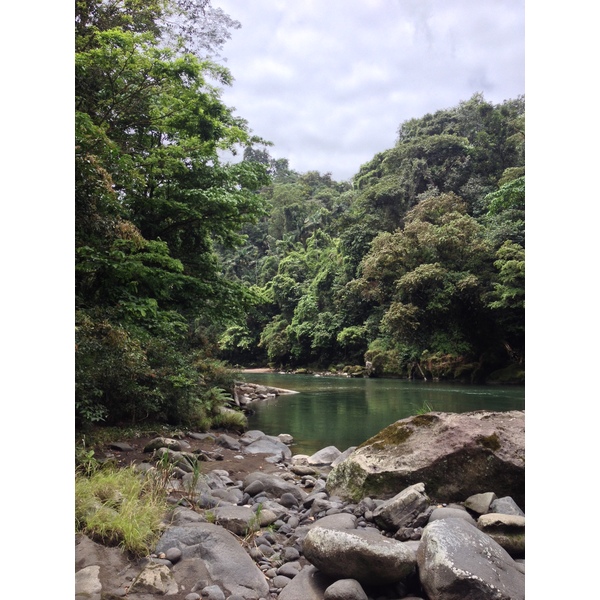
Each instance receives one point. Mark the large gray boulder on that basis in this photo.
(366, 555)
(455, 455)
(221, 555)
(459, 562)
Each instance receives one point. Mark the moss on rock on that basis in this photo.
(492, 442)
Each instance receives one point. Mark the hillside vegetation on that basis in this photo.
(416, 265)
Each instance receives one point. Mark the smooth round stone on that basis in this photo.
(288, 500)
(289, 570)
(281, 581)
(173, 554)
(213, 592)
(290, 554)
(254, 488)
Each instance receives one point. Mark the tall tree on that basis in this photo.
(152, 200)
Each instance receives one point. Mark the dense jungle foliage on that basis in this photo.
(417, 265)
(186, 263)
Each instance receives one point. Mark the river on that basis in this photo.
(344, 412)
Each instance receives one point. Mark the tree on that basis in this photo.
(431, 278)
(152, 200)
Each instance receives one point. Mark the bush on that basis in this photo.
(126, 375)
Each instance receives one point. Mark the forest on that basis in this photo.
(189, 266)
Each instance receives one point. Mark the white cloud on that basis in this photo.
(329, 82)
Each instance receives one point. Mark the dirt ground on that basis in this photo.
(237, 468)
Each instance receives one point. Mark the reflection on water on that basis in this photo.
(342, 412)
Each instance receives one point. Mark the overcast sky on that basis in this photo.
(329, 81)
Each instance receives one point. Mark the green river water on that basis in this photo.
(344, 412)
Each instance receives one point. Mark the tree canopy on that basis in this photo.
(415, 266)
(153, 201)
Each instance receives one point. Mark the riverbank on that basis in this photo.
(264, 525)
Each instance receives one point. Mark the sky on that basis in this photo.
(328, 82)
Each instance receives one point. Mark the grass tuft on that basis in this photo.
(119, 508)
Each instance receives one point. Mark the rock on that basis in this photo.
(173, 555)
(121, 446)
(300, 460)
(185, 461)
(232, 496)
(451, 513)
(365, 555)
(303, 470)
(286, 438)
(345, 589)
(116, 572)
(324, 457)
(343, 456)
(506, 530)
(226, 441)
(455, 455)
(213, 592)
(506, 506)
(156, 579)
(162, 442)
(237, 519)
(202, 436)
(480, 503)
(290, 554)
(309, 584)
(288, 500)
(87, 583)
(289, 569)
(255, 487)
(274, 485)
(403, 509)
(220, 556)
(251, 436)
(339, 521)
(280, 581)
(458, 562)
(269, 445)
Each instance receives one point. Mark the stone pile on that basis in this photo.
(288, 535)
(246, 393)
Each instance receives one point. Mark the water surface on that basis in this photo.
(344, 412)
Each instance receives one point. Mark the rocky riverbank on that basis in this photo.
(267, 524)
